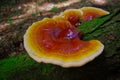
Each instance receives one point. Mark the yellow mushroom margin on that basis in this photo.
(93, 10)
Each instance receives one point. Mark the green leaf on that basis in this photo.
(34, 14)
(10, 22)
(39, 3)
(91, 25)
(54, 9)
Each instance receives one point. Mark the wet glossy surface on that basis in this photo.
(57, 38)
(73, 16)
(74, 20)
(89, 13)
(90, 16)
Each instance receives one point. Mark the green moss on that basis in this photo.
(22, 66)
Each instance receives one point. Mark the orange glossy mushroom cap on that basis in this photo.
(73, 16)
(92, 12)
(56, 41)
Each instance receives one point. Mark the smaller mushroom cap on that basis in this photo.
(92, 12)
(73, 15)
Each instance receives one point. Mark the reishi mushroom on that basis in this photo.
(56, 40)
(92, 12)
(73, 16)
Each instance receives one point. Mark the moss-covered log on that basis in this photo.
(104, 67)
